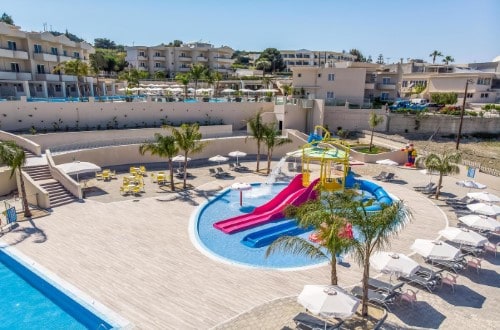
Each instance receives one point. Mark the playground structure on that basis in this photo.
(412, 155)
(330, 154)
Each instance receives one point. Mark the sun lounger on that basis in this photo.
(450, 265)
(309, 322)
(212, 172)
(389, 177)
(430, 185)
(382, 299)
(380, 176)
(421, 280)
(379, 285)
(430, 274)
(221, 172)
(467, 249)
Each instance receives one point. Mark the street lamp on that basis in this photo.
(462, 112)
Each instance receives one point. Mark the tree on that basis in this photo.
(7, 19)
(358, 54)
(374, 230)
(374, 120)
(287, 89)
(369, 59)
(188, 138)
(273, 139)
(184, 80)
(164, 146)
(159, 75)
(213, 78)
(14, 157)
(104, 43)
(434, 54)
(274, 57)
(175, 43)
(322, 215)
(448, 59)
(444, 163)
(75, 68)
(380, 59)
(444, 98)
(257, 129)
(264, 65)
(196, 73)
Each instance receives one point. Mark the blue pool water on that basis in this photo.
(229, 246)
(29, 302)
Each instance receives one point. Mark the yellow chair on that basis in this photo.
(142, 169)
(112, 174)
(136, 190)
(98, 175)
(161, 178)
(124, 190)
(106, 175)
(126, 181)
(132, 170)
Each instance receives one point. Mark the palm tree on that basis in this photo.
(263, 64)
(287, 89)
(272, 139)
(374, 121)
(75, 68)
(14, 157)
(320, 214)
(448, 59)
(164, 146)
(257, 129)
(213, 78)
(444, 163)
(184, 80)
(188, 138)
(197, 72)
(435, 54)
(374, 230)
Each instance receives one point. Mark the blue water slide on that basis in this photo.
(267, 236)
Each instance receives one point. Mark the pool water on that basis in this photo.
(229, 246)
(45, 307)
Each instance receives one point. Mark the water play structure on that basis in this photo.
(332, 158)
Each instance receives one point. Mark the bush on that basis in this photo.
(444, 98)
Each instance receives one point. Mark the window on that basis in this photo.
(299, 75)
(57, 88)
(142, 54)
(484, 95)
(404, 83)
(386, 81)
(384, 96)
(157, 54)
(11, 45)
(157, 65)
(65, 52)
(142, 65)
(330, 95)
(470, 95)
(40, 68)
(483, 81)
(20, 88)
(76, 54)
(319, 75)
(331, 77)
(14, 67)
(53, 50)
(38, 49)
(39, 88)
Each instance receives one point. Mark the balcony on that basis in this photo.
(159, 58)
(24, 76)
(142, 58)
(68, 78)
(64, 58)
(184, 69)
(45, 57)
(8, 75)
(184, 58)
(47, 77)
(17, 54)
(222, 59)
(386, 87)
(369, 85)
(201, 59)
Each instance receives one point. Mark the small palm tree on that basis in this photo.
(184, 80)
(272, 139)
(197, 72)
(257, 129)
(164, 146)
(188, 138)
(444, 163)
(287, 89)
(448, 59)
(322, 216)
(374, 120)
(435, 54)
(75, 68)
(14, 157)
(374, 230)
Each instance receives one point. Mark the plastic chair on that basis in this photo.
(98, 175)
(124, 190)
(490, 247)
(142, 169)
(474, 263)
(409, 296)
(450, 280)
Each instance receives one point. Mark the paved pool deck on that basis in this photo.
(134, 255)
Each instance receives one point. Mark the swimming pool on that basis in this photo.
(229, 248)
(32, 298)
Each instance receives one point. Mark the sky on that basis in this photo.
(467, 30)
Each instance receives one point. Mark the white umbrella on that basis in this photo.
(180, 159)
(471, 184)
(480, 222)
(237, 154)
(77, 167)
(435, 249)
(241, 186)
(218, 159)
(483, 208)
(228, 91)
(328, 300)
(463, 236)
(484, 196)
(393, 263)
(388, 162)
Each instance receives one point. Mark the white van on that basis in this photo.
(419, 101)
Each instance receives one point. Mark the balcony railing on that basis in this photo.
(47, 77)
(9, 53)
(386, 86)
(45, 57)
(369, 85)
(159, 58)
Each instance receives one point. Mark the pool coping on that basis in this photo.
(80, 297)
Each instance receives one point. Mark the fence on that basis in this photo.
(484, 169)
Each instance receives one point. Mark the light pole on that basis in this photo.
(462, 113)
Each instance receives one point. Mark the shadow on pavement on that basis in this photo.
(421, 314)
(463, 296)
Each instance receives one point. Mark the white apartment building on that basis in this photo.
(172, 60)
(305, 58)
(28, 59)
(355, 82)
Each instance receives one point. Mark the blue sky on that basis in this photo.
(467, 30)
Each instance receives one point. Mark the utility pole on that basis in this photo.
(462, 113)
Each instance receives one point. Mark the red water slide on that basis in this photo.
(294, 194)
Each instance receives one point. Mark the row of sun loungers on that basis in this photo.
(381, 298)
(307, 321)
(219, 173)
(238, 167)
(384, 176)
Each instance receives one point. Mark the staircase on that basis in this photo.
(58, 195)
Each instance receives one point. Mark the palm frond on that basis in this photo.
(297, 246)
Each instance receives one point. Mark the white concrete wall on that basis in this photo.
(22, 142)
(351, 119)
(7, 183)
